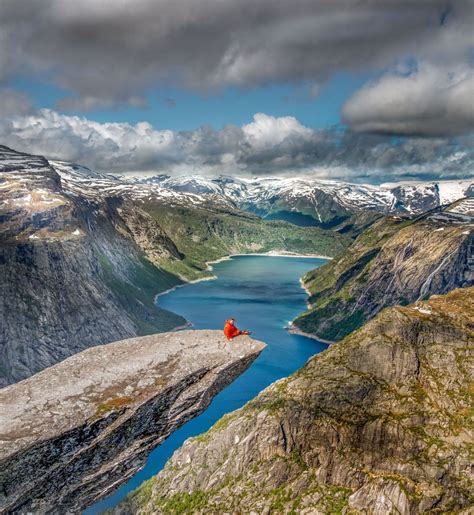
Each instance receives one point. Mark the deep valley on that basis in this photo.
(378, 423)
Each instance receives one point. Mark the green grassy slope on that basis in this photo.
(203, 235)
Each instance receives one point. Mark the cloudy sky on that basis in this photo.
(368, 90)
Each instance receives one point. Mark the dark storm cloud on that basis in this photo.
(428, 102)
(109, 52)
(14, 103)
(107, 48)
(90, 103)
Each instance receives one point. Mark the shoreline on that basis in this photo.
(282, 253)
(186, 283)
(294, 330)
(308, 293)
(270, 253)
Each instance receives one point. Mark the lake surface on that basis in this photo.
(263, 294)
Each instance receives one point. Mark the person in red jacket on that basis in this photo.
(231, 331)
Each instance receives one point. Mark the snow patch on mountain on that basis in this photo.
(298, 194)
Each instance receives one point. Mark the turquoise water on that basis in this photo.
(263, 294)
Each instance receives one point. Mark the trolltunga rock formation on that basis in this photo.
(74, 432)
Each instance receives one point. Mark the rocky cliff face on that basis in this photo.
(74, 432)
(379, 423)
(74, 271)
(395, 261)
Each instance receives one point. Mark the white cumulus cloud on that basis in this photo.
(267, 131)
(267, 145)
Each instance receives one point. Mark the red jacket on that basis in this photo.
(230, 330)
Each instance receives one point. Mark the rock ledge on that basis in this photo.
(74, 432)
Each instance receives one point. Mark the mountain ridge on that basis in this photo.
(397, 260)
(329, 204)
(81, 260)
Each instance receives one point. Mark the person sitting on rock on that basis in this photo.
(230, 329)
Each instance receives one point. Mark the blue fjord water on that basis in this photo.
(263, 294)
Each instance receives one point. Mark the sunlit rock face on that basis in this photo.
(396, 261)
(75, 270)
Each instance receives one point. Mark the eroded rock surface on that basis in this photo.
(74, 432)
(379, 423)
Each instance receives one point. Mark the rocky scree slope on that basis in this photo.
(74, 432)
(379, 423)
(74, 271)
(396, 261)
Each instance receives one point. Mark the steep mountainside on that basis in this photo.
(83, 254)
(204, 234)
(74, 432)
(379, 423)
(396, 261)
(201, 217)
(74, 272)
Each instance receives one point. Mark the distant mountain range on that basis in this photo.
(83, 253)
(313, 202)
(301, 201)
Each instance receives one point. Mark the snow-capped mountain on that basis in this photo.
(226, 186)
(409, 197)
(306, 201)
(184, 191)
(303, 201)
(313, 195)
(296, 194)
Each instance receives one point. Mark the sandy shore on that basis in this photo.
(271, 253)
(280, 253)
